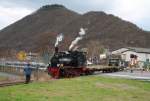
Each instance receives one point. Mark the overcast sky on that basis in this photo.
(136, 11)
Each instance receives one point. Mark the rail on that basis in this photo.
(3, 84)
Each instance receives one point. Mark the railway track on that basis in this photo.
(3, 84)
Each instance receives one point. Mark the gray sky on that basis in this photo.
(136, 11)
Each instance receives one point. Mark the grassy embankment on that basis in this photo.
(90, 88)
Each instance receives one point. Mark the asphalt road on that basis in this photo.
(9, 75)
(145, 75)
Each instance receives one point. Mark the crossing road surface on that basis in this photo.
(127, 74)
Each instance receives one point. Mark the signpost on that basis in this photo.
(21, 55)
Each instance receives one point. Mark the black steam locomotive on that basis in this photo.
(67, 64)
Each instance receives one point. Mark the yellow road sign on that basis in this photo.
(21, 55)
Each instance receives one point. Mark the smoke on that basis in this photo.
(75, 42)
(82, 32)
(80, 37)
(75, 48)
(59, 39)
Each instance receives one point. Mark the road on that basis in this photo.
(127, 74)
(8, 75)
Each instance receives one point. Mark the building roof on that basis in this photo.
(139, 50)
(135, 49)
(119, 51)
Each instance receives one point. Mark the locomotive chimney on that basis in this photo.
(56, 49)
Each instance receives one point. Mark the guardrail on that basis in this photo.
(19, 71)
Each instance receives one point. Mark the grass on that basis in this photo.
(90, 88)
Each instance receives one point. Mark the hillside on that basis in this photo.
(37, 32)
(110, 31)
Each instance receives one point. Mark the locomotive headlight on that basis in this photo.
(58, 65)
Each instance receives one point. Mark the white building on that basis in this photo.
(142, 53)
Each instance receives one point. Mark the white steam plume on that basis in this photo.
(75, 42)
(82, 32)
(59, 39)
(80, 37)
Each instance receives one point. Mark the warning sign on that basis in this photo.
(21, 55)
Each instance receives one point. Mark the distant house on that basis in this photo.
(32, 56)
(142, 53)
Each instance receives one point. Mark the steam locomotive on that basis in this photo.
(67, 64)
